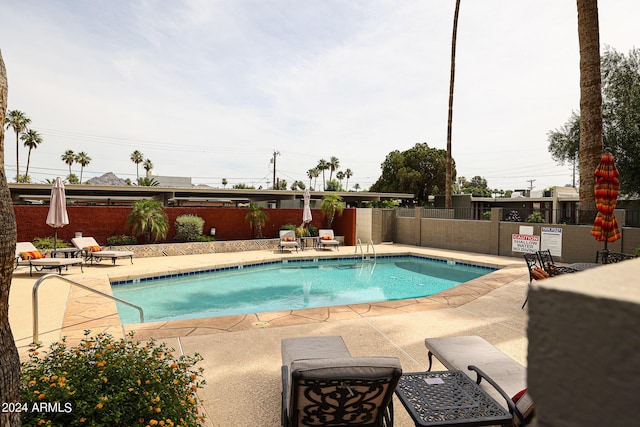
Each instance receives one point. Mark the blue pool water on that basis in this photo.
(291, 285)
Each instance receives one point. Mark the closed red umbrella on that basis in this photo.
(605, 228)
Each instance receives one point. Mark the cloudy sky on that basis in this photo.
(210, 89)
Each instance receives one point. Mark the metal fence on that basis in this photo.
(531, 215)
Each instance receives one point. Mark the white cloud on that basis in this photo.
(210, 88)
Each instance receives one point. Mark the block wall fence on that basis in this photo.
(101, 222)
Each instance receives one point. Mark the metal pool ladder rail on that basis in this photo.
(362, 252)
(34, 300)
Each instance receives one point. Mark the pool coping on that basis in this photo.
(87, 311)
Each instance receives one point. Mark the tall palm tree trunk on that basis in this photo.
(449, 160)
(9, 359)
(590, 100)
(26, 172)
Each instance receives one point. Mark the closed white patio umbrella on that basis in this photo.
(57, 216)
(306, 212)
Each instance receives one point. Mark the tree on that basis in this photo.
(621, 115)
(147, 218)
(31, 139)
(147, 181)
(224, 182)
(334, 164)
(313, 173)
(68, 157)
(257, 217)
(477, 187)
(419, 170)
(340, 177)
(348, 174)
(323, 165)
(297, 185)
(137, 158)
(449, 178)
(590, 100)
(334, 185)
(19, 122)
(148, 166)
(331, 205)
(357, 187)
(9, 359)
(83, 159)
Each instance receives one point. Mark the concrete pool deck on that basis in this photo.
(242, 353)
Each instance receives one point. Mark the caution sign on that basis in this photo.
(525, 243)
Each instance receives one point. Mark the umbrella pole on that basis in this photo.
(55, 238)
(605, 253)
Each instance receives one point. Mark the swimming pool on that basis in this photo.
(289, 285)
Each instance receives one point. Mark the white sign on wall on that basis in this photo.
(552, 240)
(525, 243)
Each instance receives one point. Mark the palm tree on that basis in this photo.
(147, 181)
(137, 158)
(348, 174)
(332, 205)
(31, 139)
(448, 200)
(68, 157)
(590, 100)
(340, 177)
(9, 358)
(84, 159)
(357, 187)
(19, 122)
(334, 164)
(147, 218)
(313, 173)
(148, 166)
(224, 182)
(323, 165)
(258, 217)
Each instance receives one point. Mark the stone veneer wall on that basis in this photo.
(190, 248)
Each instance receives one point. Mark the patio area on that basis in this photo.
(242, 353)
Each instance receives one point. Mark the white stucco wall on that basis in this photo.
(584, 347)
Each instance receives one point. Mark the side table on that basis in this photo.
(449, 398)
(67, 252)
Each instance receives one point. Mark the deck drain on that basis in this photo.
(261, 324)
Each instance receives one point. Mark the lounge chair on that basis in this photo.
(288, 240)
(94, 253)
(327, 239)
(536, 270)
(550, 267)
(28, 254)
(505, 379)
(322, 384)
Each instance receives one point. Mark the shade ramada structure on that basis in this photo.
(605, 228)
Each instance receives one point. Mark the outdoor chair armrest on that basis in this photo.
(513, 410)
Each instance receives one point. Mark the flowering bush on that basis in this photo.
(108, 382)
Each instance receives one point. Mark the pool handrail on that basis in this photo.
(34, 300)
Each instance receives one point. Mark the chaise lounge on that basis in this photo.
(322, 384)
(28, 254)
(94, 252)
(505, 379)
(327, 239)
(288, 240)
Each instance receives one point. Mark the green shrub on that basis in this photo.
(313, 231)
(637, 251)
(121, 240)
(108, 382)
(486, 215)
(535, 217)
(189, 228)
(46, 243)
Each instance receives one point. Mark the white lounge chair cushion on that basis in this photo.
(85, 242)
(458, 353)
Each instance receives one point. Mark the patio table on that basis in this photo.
(449, 398)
